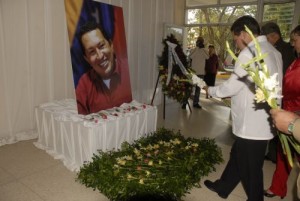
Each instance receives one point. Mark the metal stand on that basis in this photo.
(164, 98)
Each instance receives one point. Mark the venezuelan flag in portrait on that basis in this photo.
(99, 55)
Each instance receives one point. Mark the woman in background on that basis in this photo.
(211, 67)
(291, 102)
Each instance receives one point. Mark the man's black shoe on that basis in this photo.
(197, 106)
(212, 186)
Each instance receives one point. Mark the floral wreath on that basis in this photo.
(172, 84)
(162, 165)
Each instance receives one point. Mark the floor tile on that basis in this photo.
(27, 159)
(16, 191)
(58, 183)
(5, 177)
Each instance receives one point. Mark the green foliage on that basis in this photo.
(163, 164)
(213, 24)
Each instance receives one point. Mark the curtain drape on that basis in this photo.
(35, 63)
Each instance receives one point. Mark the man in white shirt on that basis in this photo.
(251, 124)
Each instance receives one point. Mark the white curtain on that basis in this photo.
(35, 64)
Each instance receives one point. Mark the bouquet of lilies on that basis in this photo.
(267, 90)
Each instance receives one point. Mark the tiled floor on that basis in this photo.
(30, 174)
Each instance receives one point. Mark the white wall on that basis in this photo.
(35, 64)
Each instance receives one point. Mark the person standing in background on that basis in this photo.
(289, 123)
(211, 67)
(198, 57)
(273, 34)
(291, 102)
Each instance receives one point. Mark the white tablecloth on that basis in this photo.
(74, 138)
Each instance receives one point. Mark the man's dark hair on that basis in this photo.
(90, 26)
(296, 30)
(200, 42)
(239, 25)
(270, 27)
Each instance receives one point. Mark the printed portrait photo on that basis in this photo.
(99, 55)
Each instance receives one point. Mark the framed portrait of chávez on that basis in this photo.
(98, 54)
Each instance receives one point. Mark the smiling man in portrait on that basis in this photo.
(107, 83)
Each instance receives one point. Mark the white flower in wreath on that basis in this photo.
(129, 176)
(175, 141)
(156, 146)
(175, 77)
(150, 163)
(195, 145)
(141, 181)
(129, 158)
(148, 173)
(137, 152)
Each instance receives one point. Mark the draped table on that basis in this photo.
(74, 138)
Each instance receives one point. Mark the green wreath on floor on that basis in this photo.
(163, 165)
(175, 89)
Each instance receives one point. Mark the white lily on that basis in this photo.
(259, 96)
(272, 82)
